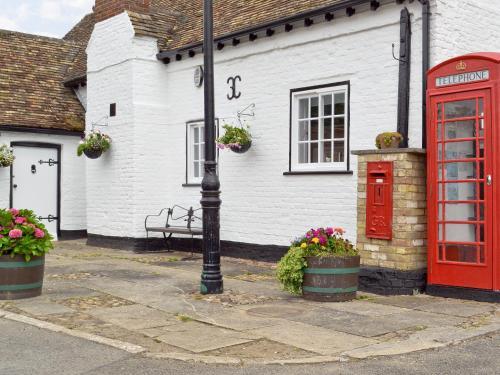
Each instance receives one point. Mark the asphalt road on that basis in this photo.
(28, 350)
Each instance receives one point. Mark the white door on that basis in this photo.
(35, 183)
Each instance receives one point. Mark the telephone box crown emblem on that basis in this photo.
(461, 65)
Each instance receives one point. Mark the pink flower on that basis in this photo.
(39, 233)
(339, 231)
(20, 220)
(322, 241)
(31, 225)
(14, 211)
(329, 231)
(16, 233)
(1, 236)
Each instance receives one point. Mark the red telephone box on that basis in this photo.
(463, 132)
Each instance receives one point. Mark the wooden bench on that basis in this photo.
(176, 216)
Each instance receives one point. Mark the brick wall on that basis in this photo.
(408, 248)
(105, 9)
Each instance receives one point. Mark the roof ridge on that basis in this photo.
(37, 36)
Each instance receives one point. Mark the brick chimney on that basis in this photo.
(105, 9)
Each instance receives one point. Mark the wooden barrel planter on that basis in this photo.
(331, 279)
(21, 279)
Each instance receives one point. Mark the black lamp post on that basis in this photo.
(211, 278)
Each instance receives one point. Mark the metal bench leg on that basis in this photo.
(168, 241)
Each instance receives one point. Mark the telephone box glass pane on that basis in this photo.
(460, 129)
(460, 150)
(460, 233)
(463, 108)
(460, 212)
(461, 253)
(458, 171)
(463, 191)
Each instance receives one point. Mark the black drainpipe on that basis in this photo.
(426, 14)
(404, 76)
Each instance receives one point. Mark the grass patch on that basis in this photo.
(364, 298)
(184, 318)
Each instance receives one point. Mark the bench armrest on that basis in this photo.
(169, 210)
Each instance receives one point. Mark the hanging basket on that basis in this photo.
(242, 149)
(5, 165)
(92, 154)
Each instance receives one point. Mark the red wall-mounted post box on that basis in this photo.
(379, 200)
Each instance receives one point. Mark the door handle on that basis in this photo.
(14, 186)
(489, 180)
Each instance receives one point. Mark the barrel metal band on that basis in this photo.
(13, 288)
(331, 271)
(33, 263)
(314, 289)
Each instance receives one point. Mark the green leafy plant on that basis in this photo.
(22, 234)
(234, 137)
(6, 156)
(321, 242)
(94, 141)
(388, 139)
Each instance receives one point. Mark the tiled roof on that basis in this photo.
(32, 94)
(80, 34)
(234, 15)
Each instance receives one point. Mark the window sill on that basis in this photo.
(191, 185)
(298, 173)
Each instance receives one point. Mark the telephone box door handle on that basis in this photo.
(489, 180)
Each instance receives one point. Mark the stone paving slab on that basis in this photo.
(314, 339)
(365, 308)
(134, 317)
(456, 307)
(198, 337)
(37, 306)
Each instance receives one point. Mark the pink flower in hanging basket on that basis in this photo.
(16, 233)
(14, 211)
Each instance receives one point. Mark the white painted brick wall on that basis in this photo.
(461, 27)
(73, 181)
(145, 169)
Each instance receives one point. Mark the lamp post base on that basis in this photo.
(211, 285)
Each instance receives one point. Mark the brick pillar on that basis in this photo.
(105, 9)
(397, 266)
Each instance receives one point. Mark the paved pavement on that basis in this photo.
(29, 350)
(149, 304)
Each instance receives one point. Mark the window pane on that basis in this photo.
(314, 152)
(461, 232)
(339, 127)
(464, 108)
(303, 130)
(461, 253)
(202, 134)
(460, 212)
(327, 128)
(196, 137)
(196, 169)
(303, 152)
(460, 150)
(463, 191)
(202, 152)
(458, 171)
(304, 108)
(314, 129)
(327, 105)
(338, 151)
(327, 152)
(339, 104)
(460, 129)
(196, 152)
(314, 107)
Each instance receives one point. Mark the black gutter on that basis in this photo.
(28, 129)
(426, 15)
(281, 22)
(404, 76)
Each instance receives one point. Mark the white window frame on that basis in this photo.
(319, 166)
(190, 125)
